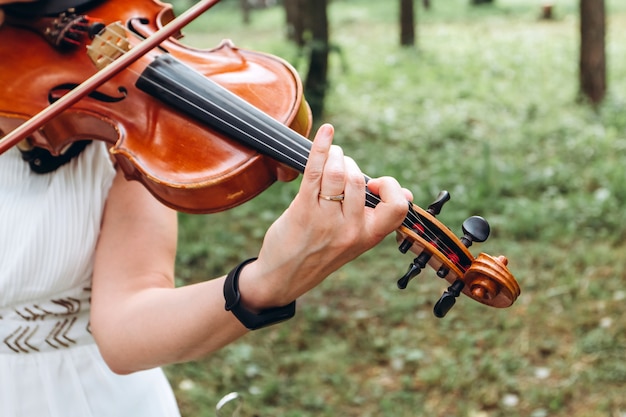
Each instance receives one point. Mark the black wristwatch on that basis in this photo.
(252, 320)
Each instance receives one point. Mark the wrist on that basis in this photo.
(255, 292)
(251, 316)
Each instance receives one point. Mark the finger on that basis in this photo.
(374, 187)
(314, 169)
(334, 175)
(407, 194)
(354, 202)
(393, 206)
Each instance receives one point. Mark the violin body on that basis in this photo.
(185, 165)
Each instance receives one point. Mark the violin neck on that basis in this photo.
(192, 93)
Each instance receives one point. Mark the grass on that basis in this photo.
(485, 107)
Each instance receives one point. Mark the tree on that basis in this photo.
(245, 11)
(307, 27)
(592, 64)
(407, 23)
(296, 20)
(317, 76)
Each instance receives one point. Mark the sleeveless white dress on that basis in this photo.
(49, 362)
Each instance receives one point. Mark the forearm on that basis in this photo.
(160, 325)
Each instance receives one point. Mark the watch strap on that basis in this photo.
(250, 319)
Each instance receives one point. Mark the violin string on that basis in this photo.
(413, 218)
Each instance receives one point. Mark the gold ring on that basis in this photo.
(338, 197)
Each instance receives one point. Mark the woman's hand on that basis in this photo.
(315, 236)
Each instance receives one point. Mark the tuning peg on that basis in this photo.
(448, 299)
(415, 268)
(442, 272)
(435, 207)
(475, 229)
(405, 246)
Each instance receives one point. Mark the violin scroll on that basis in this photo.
(485, 279)
(490, 282)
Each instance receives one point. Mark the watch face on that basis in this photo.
(48, 7)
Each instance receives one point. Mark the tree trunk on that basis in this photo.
(407, 23)
(592, 65)
(317, 76)
(245, 11)
(296, 23)
(546, 10)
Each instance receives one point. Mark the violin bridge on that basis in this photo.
(108, 45)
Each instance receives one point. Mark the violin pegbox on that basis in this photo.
(485, 279)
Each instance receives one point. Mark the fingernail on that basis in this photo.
(327, 129)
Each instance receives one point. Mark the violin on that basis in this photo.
(202, 130)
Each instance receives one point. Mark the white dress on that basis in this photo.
(49, 362)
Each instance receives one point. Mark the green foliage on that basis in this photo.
(485, 106)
